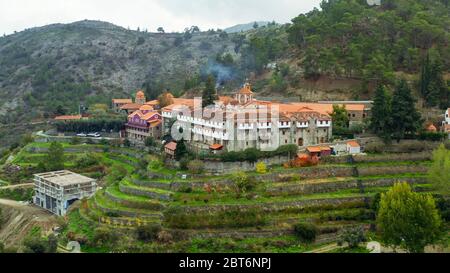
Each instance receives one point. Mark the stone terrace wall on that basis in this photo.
(273, 207)
(391, 170)
(310, 188)
(218, 167)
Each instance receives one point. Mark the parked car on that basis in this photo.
(81, 135)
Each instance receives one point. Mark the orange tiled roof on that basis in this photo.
(171, 146)
(155, 123)
(355, 107)
(68, 117)
(431, 128)
(353, 144)
(216, 147)
(149, 115)
(314, 149)
(122, 101)
(152, 103)
(146, 107)
(325, 148)
(131, 106)
(179, 103)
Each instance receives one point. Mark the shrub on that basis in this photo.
(353, 236)
(75, 141)
(148, 232)
(306, 232)
(261, 168)
(1, 218)
(184, 162)
(164, 237)
(196, 166)
(375, 148)
(118, 172)
(243, 182)
(150, 142)
(155, 165)
(87, 160)
(252, 155)
(105, 237)
(432, 136)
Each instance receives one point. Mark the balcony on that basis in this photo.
(284, 125)
(323, 124)
(265, 125)
(302, 124)
(246, 126)
(167, 114)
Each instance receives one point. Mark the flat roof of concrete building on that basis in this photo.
(65, 178)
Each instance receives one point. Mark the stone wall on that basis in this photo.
(274, 207)
(138, 205)
(391, 170)
(310, 188)
(218, 167)
(149, 194)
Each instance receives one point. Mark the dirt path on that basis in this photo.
(10, 187)
(325, 249)
(20, 218)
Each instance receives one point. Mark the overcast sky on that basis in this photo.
(173, 15)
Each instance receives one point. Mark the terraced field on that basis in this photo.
(332, 196)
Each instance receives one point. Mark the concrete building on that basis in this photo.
(56, 191)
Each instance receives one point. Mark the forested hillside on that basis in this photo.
(341, 50)
(348, 38)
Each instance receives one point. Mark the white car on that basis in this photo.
(81, 135)
(94, 135)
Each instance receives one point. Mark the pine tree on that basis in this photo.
(380, 122)
(438, 87)
(209, 93)
(405, 117)
(432, 85)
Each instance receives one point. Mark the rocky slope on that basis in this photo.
(95, 58)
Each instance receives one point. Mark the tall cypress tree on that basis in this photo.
(181, 150)
(209, 93)
(380, 122)
(425, 78)
(405, 117)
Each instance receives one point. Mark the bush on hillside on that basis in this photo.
(353, 236)
(306, 232)
(252, 154)
(148, 233)
(196, 166)
(243, 182)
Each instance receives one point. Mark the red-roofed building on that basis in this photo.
(170, 149)
(353, 147)
(143, 124)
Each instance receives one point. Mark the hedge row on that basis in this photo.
(91, 125)
(252, 154)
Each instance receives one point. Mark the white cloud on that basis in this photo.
(173, 15)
